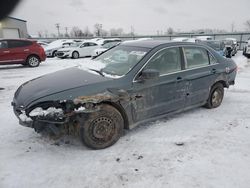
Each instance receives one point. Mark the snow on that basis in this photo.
(197, 148)
(50, 111)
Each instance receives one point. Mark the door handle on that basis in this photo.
(26, 50)
(6, 52)
(213, 71)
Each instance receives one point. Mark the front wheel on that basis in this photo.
(75, 55)
(103, 128)
(216, 96)
(33, 61)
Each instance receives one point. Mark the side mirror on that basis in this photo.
(149, 74)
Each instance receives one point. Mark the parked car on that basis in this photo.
(21, 51)
(43, 44)
(52, 48)
(217, 45)
(184, 39)
(104, 41)
(180, 39)
(82, 49)
(246, 49)
(203, 38)
(231, 44)
(104, 48)
(155, 79)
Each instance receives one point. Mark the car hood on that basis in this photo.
(48, 48)
(55, 83)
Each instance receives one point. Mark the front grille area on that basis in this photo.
(60, 54)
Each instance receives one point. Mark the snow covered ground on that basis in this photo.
(198, 148)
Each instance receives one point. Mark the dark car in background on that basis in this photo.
(231, 47)
(21, 51)
(139, 81)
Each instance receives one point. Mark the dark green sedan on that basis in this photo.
(131, 83)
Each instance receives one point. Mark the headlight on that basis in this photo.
(66, 51)
(48, 51)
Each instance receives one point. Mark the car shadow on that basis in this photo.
(9, 67)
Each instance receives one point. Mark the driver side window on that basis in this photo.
(166, 61)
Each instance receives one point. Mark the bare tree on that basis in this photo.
(76, 32)
(116, 32)
(87, 32)
(170, 31)
(39, 34)
(247, 23)
(98, 29)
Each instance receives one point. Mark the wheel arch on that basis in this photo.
(74, 52)
(223, 82)
(30, 55)
(118, 107)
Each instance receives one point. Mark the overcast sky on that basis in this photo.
(146, 16)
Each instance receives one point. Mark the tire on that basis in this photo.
(102, 128)
(54, 54)
(75, 55)
(33, 61)
(216, 96)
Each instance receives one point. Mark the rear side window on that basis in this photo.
(3, 44)
(18, 44)
(212, 58)
(166, 61)
(196, 57)
(85, 44)
(92, 44)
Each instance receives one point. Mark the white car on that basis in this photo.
(180, 39)
(246, 49)
(184, 39)
(104, 48)
(203, 38)
(81, 49)
(104, 41)
(43, 44)
(52, 48)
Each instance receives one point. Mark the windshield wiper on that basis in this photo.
(98, 71)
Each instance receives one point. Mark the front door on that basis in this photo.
(164, 94)
(5, 56)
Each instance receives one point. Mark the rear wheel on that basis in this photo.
(102, 128)
(216, 96)
(75, 55)
(33, 61)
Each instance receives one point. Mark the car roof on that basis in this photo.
(154, 43)
(20, 39)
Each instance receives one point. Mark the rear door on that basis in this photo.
(83, 50)
(5, 56)
(201, 72)
(19, 50)
(92, 47)
(165, 94)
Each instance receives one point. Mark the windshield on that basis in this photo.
(120, 60)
